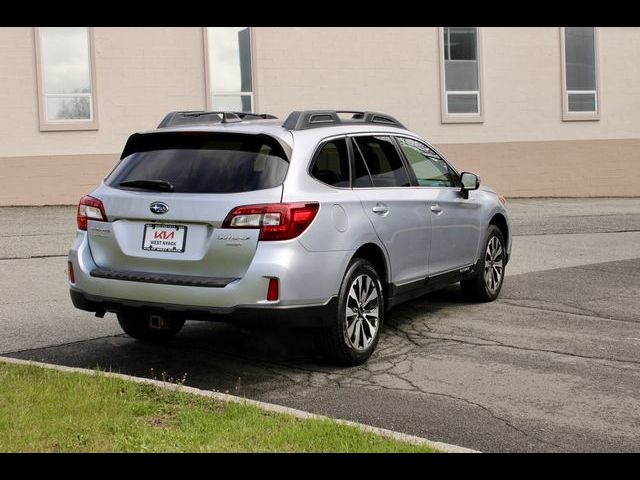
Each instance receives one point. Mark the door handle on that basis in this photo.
(380, 209)
(436, 208)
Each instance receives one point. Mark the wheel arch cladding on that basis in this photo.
(374, 254)
(499, 221)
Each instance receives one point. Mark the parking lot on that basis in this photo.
(552, 365)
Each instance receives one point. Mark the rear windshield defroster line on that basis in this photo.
(202, 162)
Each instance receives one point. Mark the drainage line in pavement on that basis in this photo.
(33, 256)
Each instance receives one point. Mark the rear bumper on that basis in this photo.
(305, 279)
(269, 316)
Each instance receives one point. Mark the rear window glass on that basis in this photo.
(195, 162)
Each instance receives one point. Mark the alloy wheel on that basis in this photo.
(493, 265)
(362, 313)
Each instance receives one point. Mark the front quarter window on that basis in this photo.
(430, 170)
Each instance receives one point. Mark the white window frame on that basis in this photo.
(47, 125)
(447, 117)
(568, 116)
(209, 94)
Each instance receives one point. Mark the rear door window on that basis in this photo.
(361, 176)
(203, 162)
(331, 165)
(382, 160)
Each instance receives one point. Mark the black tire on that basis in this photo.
(137, 324)
(338, 348)
(478, 288)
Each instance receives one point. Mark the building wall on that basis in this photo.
(141, 74)
(396, 70)
(581, 168)
(523, 148)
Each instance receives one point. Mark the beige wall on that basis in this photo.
(396, 70)
(523, 148)
(600, 168)
(142, 73)
(51, 180)
(583, 168)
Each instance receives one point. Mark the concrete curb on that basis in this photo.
(443, 447)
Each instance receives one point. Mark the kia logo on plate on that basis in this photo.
(158, 208)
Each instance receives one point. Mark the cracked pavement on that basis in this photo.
(552, 365)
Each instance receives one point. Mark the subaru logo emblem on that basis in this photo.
(158, 208)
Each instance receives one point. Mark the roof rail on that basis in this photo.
(301, 120)
(173, 119)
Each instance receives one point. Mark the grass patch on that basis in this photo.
(43, 410)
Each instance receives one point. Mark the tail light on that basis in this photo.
(276, 221)
(90, 208)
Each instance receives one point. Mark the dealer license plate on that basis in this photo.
(164, 238)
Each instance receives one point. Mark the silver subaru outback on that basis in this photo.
(326, 220)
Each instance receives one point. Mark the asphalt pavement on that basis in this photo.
(552, 365)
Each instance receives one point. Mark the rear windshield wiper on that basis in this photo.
(159, 185)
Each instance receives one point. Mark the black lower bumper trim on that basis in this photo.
(270, 316)
(162, 278)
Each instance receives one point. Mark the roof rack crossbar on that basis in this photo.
(302, 120)
(173, 119)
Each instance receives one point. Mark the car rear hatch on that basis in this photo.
(166, 200)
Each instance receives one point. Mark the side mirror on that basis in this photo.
(470, 181)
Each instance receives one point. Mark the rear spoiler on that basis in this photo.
(141, 142)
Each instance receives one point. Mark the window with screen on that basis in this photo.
(461, 74)
(580, 86)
